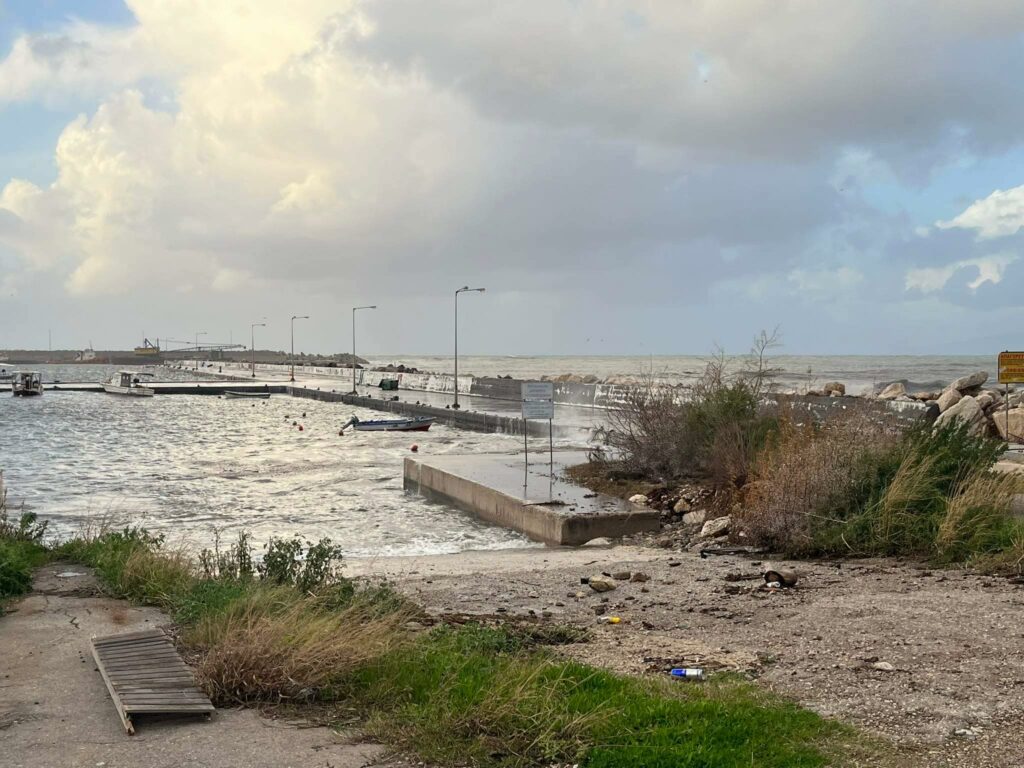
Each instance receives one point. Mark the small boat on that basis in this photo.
(247, 395)
(5, 375)
(26, 383)
(127, 383)
(416, 424)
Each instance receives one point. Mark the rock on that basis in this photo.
(833, 387)
(622, 575)
(639, 499)
(717, 527)
(600, 541)
(948, 399)
(640, 577)
(967, 382)
(883, 666)
(931, 411)
(966, 410)
(924, 397)
(696, 517)
(601, 583)
(681, 506)
(985, 400)
(892, 391)
(590, 379)
(1015, 418)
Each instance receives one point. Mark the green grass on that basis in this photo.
(18, 559)
(490, 697)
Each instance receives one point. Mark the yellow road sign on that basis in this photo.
(1011, 367)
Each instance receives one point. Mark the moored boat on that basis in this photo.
(127, 383)
(26, 383)
(415, 424)
(248, 395)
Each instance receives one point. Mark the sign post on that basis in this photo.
(538, 404)
(1011, 371)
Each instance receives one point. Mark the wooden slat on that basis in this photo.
(144, 674)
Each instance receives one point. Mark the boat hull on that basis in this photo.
(395, 425)
(116, 389)
(27, 393)
(247, 395)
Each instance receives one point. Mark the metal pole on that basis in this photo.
(457, 292)
(551, 461)
(456, 405)
(291, 376)
(526, 460)
(252, 348)
(371, 306)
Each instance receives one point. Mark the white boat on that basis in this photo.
(415, 424)
(5, 375)
(26, 383)
(127, 383)
(247, 395)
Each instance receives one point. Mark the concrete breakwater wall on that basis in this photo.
(481, 422)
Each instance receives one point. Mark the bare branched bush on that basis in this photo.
(713, 430)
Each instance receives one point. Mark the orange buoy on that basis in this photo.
(301, 428)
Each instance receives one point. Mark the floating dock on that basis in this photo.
(496, 488)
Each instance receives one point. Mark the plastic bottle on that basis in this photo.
(688, 673)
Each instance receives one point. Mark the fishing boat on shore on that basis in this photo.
(128, 383)
(26, 383)
(415, 424)
(247, 395)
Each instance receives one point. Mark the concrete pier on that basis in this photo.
(495, 488)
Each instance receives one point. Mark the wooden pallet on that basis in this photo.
(145, 675)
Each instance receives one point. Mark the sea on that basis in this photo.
(200, 469)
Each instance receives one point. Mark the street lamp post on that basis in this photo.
(198, 334)
(294, 318)
(354, 309)
(252, 344)
(463, 289)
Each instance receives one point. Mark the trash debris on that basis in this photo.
(687, 673)
(883, 666)
(638, 498)
(611, 620)
(787, 577)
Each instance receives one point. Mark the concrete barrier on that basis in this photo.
(485, 485)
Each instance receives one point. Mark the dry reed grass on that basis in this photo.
(274, 646)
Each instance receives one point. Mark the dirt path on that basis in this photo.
(55, 711)
(949, 646)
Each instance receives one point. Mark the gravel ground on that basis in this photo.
(929, 659)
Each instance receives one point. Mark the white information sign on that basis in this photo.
(538, 390)
(538, 409)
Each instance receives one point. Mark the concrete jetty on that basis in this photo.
(495, 488)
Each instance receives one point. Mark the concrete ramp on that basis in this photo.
(496, 488)
(145, 675)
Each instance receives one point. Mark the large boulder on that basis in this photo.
(834, 388)
(948, 399)
(966, 410)
(1010, 424)
(970, 382)
(697, 517)
(893, 391)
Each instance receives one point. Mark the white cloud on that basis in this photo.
(990, 269)
(79, 61)
(998, 215)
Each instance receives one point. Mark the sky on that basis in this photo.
(644, 177)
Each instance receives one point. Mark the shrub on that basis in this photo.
(714, 433)
(854, 486)
(284, 563)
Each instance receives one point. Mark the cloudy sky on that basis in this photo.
(650, 176)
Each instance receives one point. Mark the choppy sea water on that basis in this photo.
(189, 466)
(857, 372)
